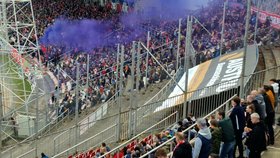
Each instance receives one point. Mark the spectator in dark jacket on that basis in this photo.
(259, 98)
(44, 155)
(237, 117)
(249, 110)
(183, 149)
(216, 133)
(269, 120)
(256, 141)
(258, 109)
(181, 126)
(228, 140)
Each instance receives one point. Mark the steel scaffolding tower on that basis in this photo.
(18, 70)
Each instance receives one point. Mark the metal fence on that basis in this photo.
(107, 135)
(200, 103)
(29, 154)
(225, 106)
(162, 124)
(10, 152)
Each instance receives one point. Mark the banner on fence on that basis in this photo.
(263, 15)
(226, 69)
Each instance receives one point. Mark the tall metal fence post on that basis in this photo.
(138, 78)
(178, 45)
(248, 17)
(132, 92)
(37, 119)
(87, 84)
(187, 55)
(117, 93)
(1, 116)
(256, 24)
(117, 69)
(77, 102)
(223, 27)
(120, 94)
(147, 60)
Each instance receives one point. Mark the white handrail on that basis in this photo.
(82, 142)
(171, 139)
(22, 155)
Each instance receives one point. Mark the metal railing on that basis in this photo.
(163, 91)
(107, 135)
(169, 120)
(199, 103)
(29, 154)
(54, 124)
(225, 106)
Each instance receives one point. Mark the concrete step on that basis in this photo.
(261, 62)
(270, 62)
(45, 144)
(276, 53)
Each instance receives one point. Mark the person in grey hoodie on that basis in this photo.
(202, 145)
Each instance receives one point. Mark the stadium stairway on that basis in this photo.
(268, 58)
(144, 96)
(272, 58)
(269, 61)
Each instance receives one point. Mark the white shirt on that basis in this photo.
(275, 87)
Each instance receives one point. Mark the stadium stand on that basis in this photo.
(103, 66)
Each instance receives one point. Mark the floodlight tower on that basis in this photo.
(18, 42)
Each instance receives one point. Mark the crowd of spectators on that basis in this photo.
(206, 42)
(248, 127)
(273, 6)
(102, 78)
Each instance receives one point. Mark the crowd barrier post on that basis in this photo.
(87, 84)
(147, 60)
(1, 116)
(248, 17)
(178, 44)
(187, 53)
(130, 125)
(223, 27)
(77, 102)
(256, 23)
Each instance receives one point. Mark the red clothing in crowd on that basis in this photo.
(119, 8)
(109, 5)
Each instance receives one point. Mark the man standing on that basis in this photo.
(202, 145)
(269, 120)
(228, 140)
(183, 149)
(237, 117)
(257, 139)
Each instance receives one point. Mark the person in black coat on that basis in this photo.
(237, 117)
(183, 149)
(256, 141)
(269, 120)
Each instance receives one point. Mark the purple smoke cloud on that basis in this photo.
(88, 34)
